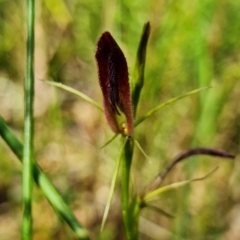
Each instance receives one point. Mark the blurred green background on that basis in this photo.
(192, 44)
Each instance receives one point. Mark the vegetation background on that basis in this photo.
(192, 44)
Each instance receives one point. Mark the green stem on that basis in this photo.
(44, 183)
(126, 167)
(28, 128)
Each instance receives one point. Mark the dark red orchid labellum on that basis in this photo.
(113, 79)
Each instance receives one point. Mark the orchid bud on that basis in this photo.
(114, 82)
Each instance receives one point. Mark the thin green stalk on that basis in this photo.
(28, 128)
(44, 183)
(128, 205)
(126, 167)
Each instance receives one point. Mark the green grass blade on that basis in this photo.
(78, 93)
(159, 210)
(185, 155)
(138, 76)
(162, 105)
(154, 194)
(49, 191)
(109, 141)
(27, 179)
(113, 183)
(141, 149)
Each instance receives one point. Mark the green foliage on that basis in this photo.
(193, 44)
(28, 148)
(43, 182)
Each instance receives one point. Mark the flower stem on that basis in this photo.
(126, 167)
(50, 192)
(28, 128)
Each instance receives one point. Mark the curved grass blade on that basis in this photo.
(74, 91)
(192, 152)
(49, 191)
(113, 183)
(154, 194)
(162, 105)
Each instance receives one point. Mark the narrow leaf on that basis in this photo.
(138, 76)
(74, 91)
(140, 148)
(113, 183)
(192, 152)
(109, 141)
(162, 105)
(50, 192)
(154, 194)
(159, 210)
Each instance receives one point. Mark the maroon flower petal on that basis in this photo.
(113, 79)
